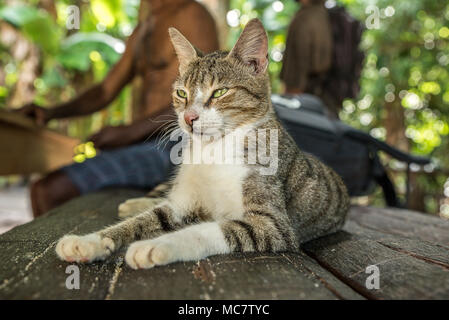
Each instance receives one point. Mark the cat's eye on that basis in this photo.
(219, 92)
(181, 93)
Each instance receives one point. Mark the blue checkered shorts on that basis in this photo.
(142, 165)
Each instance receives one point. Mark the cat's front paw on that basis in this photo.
(149, 253)
(132, 207)
(86, 248)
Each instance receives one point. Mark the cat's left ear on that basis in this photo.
(252, 46)
(184, 50)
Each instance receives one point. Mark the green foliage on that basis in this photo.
(407, 59)
(36, 24)
(80, 50)
(407, 65)
(72, 60)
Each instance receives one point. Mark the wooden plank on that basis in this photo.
(417, 248)
(402, 276)
(31, 269)
(28, 148)
(14, 118)
(403, 223)
(237, 276)
(334, 267)
(403, 230)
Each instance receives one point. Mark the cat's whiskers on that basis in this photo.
(165, 138)
(165, 124)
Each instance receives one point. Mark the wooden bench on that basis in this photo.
(410, 249)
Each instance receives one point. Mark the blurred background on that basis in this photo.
(404, 97)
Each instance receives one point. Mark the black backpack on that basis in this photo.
(353, 154)
(342, 80)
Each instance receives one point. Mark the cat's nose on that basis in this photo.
(190, 116)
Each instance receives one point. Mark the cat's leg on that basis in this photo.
(99, 245)
(160, 191)
(132, 207)
(255, 232)
(135, 206)
(260, 231)
(191, 243)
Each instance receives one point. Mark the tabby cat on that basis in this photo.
(221, 208)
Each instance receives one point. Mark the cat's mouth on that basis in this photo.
(206, 130)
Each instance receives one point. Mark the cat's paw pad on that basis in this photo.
(87, 248)
(149, 253)
(135, 206)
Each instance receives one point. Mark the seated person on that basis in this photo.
(308, 53)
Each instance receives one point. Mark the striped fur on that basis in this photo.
(215, 209)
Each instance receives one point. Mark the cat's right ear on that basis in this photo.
(184, 50)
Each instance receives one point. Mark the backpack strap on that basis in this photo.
(382, 178)
(380, 145)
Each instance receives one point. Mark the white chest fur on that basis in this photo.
(217, 188)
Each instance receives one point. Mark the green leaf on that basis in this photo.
(36, 24)
(75, 50)
(18, 15)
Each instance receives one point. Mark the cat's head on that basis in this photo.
(221, 91)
